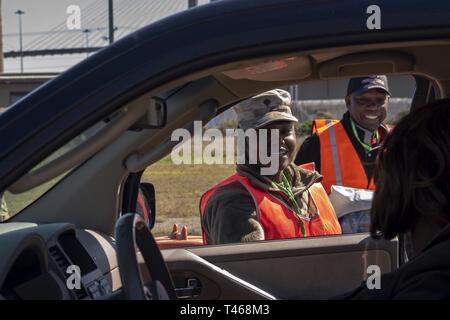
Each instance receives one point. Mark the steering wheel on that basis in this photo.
(131, 234)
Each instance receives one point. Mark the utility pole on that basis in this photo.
(86, 33)
(111, 21)
(20, 13)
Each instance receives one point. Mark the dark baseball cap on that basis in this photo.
(363, 84)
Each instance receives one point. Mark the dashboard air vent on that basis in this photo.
(63, 263)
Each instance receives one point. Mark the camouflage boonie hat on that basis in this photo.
(264, 108)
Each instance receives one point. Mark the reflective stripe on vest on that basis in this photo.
(339, 161)
(335, 156)
(277, 219)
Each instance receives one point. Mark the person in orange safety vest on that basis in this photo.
(251, 205)
(344, 151)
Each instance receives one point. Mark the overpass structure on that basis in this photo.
(103, 21)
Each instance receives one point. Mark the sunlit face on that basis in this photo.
(369, 109)
(287, 142)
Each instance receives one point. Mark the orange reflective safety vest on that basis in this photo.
(277, 219)
(339, 161)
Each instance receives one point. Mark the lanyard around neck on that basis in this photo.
(366, 147)
(285, 187)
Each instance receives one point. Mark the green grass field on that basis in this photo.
(178, 191)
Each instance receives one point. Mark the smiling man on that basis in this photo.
(344, 151)
(250, 205)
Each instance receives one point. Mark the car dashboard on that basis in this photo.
(56, 261)
(59, 261)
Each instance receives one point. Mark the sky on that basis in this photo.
(41, 16)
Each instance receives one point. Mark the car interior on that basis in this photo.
(81, 216)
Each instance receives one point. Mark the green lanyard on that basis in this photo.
(366, 147)
(285, 187)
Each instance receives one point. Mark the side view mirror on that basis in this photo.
(146, 203)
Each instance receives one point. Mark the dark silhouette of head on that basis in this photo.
(413, 173)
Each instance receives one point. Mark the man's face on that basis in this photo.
(368, 109)
(286, 145)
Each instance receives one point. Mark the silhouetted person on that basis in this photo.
(413, 198)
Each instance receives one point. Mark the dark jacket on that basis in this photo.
(310, 149)
(230, 214)
(426, 276)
